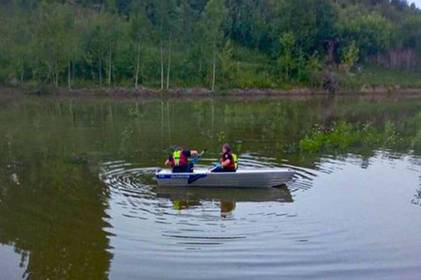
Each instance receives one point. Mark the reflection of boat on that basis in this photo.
(245, 178)
(223, 194)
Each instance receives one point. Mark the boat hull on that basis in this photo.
(258, 178)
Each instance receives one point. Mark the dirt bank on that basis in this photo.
(199, 93)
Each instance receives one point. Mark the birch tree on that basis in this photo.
(139, 26)
(213, 19)
(54, 39)
(167, 14)
(16, 45)
(113, 34)
(95, 46)
(101, 41)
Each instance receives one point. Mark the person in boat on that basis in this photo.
(227, 160)
(179, 160)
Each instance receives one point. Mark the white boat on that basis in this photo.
(242, 178)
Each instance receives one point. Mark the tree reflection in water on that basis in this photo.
(55, 219)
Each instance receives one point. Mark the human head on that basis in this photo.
(175, 148)
(226, 148)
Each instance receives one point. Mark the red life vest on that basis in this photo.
(232, 164)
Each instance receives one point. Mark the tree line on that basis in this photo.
(201, 43)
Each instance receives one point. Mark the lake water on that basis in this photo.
(78, 199)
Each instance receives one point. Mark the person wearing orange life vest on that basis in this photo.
(179, 160)
(227, 160)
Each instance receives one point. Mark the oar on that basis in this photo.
(218, 165)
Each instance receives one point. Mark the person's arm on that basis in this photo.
(226, 161)
(169, 161)
(190, 153)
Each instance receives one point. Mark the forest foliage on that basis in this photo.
(202, 43)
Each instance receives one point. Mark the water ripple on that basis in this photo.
(274, 228)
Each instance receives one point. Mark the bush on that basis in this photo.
(344, 135)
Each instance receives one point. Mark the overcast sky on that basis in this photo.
(418, 2)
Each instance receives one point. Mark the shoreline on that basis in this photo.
(202, 93)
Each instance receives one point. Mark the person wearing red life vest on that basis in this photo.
(179, 160)
(227, 160)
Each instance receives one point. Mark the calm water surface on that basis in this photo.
(78, 200)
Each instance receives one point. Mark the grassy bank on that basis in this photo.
(248, 77)
(377, 77)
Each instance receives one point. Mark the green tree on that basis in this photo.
(409, 35)
(16, 45)
(100, 43)
(113, 34)
(54, 31)
(286, 60)
(372, 33)
(167, 15)
(228, 68)
(213, 19)
(311, 21)
(95, 46)
(139, 26)
(350, 54)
